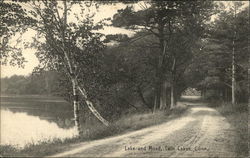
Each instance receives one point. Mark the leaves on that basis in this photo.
(13, 19)
(212, 67)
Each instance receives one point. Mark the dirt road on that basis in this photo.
(201, 132)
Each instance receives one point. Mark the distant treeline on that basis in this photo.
(46, 83)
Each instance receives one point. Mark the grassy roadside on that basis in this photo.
(237, 115)
(125, 124)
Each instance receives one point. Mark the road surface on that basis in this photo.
(200, 132)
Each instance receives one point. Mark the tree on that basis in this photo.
(170, 22)
(13, 85)
(234, 37)
(213, 66)
(68, 46)
(136, 68)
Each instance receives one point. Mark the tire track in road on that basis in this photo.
(202, 127)
(155, 135)
(210, 140)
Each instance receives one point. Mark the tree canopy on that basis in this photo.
(212, 68)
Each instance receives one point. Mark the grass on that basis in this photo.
(237, 115)
(125, 124)
(138, 121)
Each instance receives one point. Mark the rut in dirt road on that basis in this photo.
(202, 132)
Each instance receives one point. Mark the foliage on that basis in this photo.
(13, 20)
(68, 47)
(133, 69)
(46, 83)
(211, 67)
(176, 25)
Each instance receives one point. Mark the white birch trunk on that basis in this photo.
(71, 73)
(233, 61)
(92, 108)
(233, 76)
(76, 106)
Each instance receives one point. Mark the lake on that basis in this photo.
(29, 119)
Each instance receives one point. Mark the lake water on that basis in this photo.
(32, 119)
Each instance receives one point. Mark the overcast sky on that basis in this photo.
(104, 12)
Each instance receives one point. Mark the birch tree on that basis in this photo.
(64, 43)
(234, 9)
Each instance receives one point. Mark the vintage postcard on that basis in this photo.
(124, 78)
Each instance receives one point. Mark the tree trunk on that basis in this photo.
(233, 61)
(76, 106)
(92, 108)
(172, 104)
(163, 104)
(155, 100)
(159, 72)
(249, 85)
(157, 93)
(233, 76)
(71, 72)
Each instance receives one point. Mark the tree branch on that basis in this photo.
(123, 99)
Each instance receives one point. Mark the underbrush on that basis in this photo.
(125, 124)
(237, 115)
(138, 121)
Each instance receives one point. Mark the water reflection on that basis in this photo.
(19, 129)
(30, 119)
(51, 109)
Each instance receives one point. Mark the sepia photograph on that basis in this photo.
(124, 78)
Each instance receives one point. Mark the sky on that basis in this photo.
(29, 54)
